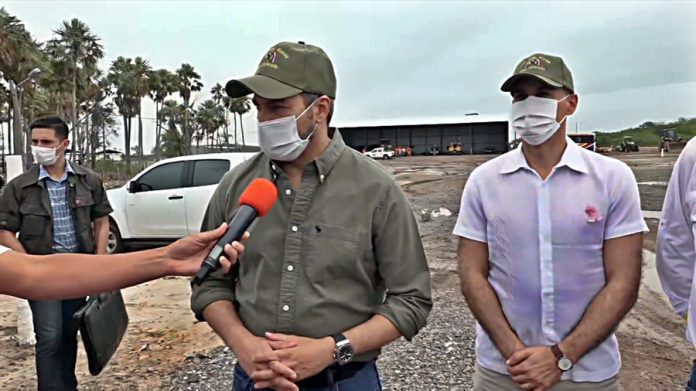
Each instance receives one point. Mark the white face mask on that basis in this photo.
(44, 156)
(280, 140)
(534, 119)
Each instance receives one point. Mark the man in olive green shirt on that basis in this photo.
(337, 269)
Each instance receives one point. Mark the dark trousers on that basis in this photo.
(691, 383)
(56, 343)
(365, 379)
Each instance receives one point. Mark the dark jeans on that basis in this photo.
(366, 379)
(56, 343)
(691, 383)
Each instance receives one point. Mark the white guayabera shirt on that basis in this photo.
(676, 255)
(545, 240)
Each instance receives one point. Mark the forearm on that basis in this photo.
(62, 276)
(485, 306)
(372, 335)
(9, 240)
(222, 317)
(601, 319)
(101, 234)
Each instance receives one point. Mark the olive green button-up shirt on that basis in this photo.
(328, 257)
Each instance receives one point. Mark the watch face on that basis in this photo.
(344, 354)
(564, 364)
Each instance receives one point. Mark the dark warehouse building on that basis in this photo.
(475, 135)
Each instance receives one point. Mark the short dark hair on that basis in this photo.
(310, 98)
(55, 123)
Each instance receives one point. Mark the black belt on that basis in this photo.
(333, 374)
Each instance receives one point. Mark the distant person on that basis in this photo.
(65, 276)
(336, 270)
(549, 248)
(676, 251)
(56, 207)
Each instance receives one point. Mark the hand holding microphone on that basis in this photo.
(256, 201)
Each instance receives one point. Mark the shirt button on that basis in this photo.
(321, 178)
(288, 191)
(286, 308)
(294, 228)
(291, 268)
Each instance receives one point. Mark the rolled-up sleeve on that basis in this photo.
(217, 286)
(9, 208)
(676, 255)
(401, 263)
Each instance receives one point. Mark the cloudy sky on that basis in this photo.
(632, 61)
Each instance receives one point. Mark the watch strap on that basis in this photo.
(339, 337)
(557, 352)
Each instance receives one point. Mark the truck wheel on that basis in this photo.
(114, 244)
(385, 157)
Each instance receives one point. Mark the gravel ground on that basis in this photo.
(440, 358)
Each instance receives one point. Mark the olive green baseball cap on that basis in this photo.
(288, 69)
(552, 70)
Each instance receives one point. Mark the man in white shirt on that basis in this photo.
(550, 247)
(676, 254)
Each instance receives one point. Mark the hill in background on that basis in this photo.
(649, 133)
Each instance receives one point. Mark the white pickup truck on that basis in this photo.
(380, 153)
(167, 200)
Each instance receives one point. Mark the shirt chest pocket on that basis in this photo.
(580, 225)
(329, 252)
(81, 200)
(34, 220)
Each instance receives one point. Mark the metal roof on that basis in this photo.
(420, 121)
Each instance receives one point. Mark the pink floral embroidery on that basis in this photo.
(592, 213)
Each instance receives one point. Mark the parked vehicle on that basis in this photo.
(627, 145)
(585, 140)
(671, 140)
(167, 200)
(380, 153)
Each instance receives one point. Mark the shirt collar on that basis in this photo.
(328, 159)
(572, 158)
(43, 173)
(325, 162)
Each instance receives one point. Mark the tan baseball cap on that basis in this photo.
(288, 69)
(552, 70)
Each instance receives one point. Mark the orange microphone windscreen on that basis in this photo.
(261, 194)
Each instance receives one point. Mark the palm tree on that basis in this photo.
(19, 53)
(162, 84)
(229, 104)
(222, 100)
(103, 126)
(94, 92)
(188, 82)
(172, 140)
(241, 106)
(141, 88)
(76, 46)
(120, 76)
(55, 80)
(210, 117)
(4, 117)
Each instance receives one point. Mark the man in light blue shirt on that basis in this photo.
(549, 248)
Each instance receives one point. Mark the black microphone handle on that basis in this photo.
(235, 230)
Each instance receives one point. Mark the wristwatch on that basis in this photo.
(343, 352)
(564, 363)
